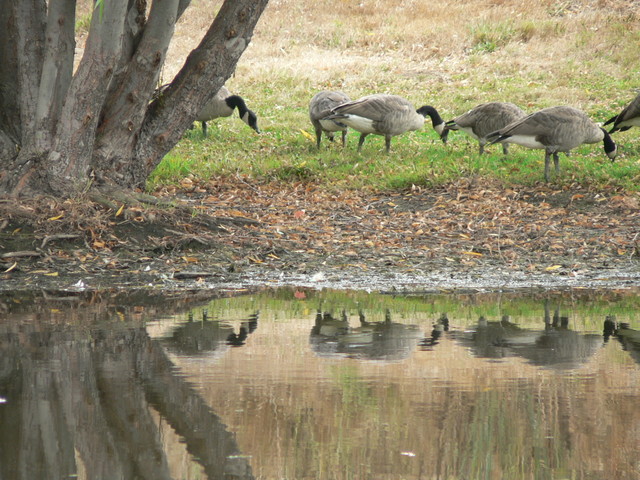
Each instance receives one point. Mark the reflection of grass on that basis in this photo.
(513, 428)
(357, 396)
(586, 311)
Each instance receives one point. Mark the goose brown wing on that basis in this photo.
(324, 102)
(375, 107)
(630, 111)
(547, 121)
(489, 117)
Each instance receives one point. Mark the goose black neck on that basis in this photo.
(610, 147)
(236, 101)
(428, 110)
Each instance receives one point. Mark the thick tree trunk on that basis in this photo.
(130, 97)
(62, 133)
(68, 164)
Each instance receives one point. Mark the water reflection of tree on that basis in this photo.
(78, 398)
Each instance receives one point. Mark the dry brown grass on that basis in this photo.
(457, 52)
(454, 54)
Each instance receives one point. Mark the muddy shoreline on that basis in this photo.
(464, 236)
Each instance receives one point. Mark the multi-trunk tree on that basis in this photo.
(65, 130)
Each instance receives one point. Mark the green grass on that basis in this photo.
(284, 153)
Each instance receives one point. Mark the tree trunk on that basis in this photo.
(63, 132)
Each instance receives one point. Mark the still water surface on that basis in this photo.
(304, 384)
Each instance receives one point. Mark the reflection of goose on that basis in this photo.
(203, 337)
(560, 348)
(492, 339)
(247, 327)
(386, 341)
(554, 346)
(441, 326)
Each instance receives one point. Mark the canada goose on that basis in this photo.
(320, 107)
(483, 120)
(382, 114)
(222, 105)
(554, 129)
(629, 117)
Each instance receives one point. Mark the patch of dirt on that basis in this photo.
(236, 234)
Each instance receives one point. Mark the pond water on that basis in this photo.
(308, 384)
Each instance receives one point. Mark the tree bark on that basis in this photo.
(206, 70)
(68, 165)
(61, 132)
(125, 110)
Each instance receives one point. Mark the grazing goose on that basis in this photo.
(554, 129)
(629, 117)
(483, 120)
(222, 105)
(382, 114)
(320, 107)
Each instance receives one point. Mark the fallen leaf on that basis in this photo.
(552, 268)
(307, 135)
(15, 264)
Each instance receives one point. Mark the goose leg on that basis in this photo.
(556, 162)
(362, 137)
(318, 137)
(344, 138)
(204, 128)
(387, 142)
(547, 160)
(505, 148)
(481, 149)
